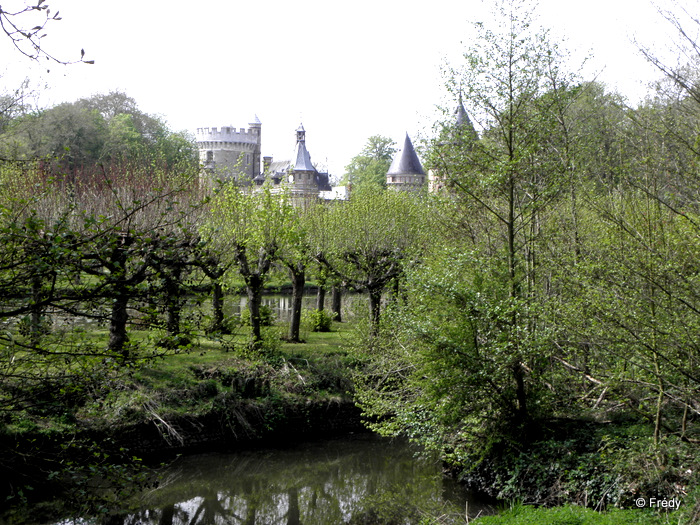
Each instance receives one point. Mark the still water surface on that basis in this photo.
(361, 479)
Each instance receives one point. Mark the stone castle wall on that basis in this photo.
(226, 153)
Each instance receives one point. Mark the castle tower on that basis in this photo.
(406, 172)
(463, 125)
(303, 177)
(459, 132)
(227, 154)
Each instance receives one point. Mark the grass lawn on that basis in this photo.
(573, 515)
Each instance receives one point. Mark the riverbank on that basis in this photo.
(211, 396)
(88, 442)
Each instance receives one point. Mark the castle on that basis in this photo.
(227, 154)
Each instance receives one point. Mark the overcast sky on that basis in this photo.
(370, 68)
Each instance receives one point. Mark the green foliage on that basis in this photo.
(102, 129)
(266, 316)
(367, 241)
(442, 370)
(556, 280)
(248, 231)
(370, 167)
(317, 320)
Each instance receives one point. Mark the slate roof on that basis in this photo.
(303, 158)
(406, 161)
(463, 124)
(462, 117)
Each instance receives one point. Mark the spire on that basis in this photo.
(463, 125)
(406, 161)
(461, 113)
(302, 158)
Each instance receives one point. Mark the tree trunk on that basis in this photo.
(336, 302)
(375, 300)
(217, 306)
(118, 337)
(172, 296)
(320, 296)
(36, 311)
(298, 276)
(521, 414)
(512, 253)
(254, 288)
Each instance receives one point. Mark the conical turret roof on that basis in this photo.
(461, 113)
(302, 158)
(463, 124)
(406, 161)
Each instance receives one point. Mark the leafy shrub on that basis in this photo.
(24, 325)
(318, 320)
(267, 316)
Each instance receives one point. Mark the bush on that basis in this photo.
(267, 316)
(318, 320)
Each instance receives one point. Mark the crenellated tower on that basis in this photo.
(228, 154)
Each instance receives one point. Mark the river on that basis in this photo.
(358, 479)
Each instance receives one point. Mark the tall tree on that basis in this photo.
(371, 165)
(103, 129)
(513, 83)
(467, 359)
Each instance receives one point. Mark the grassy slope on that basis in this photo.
(572, 515)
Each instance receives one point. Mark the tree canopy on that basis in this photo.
(373, 162)
(103, 129)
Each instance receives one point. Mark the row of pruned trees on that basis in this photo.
(101, 250)
(361, 244)
(128, 245)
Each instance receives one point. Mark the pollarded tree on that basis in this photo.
(253, 226)
(366, 241)
(295, 255)
(129, 225)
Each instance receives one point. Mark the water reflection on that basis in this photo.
(281, 304)
(356, 480)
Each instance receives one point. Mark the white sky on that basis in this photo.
(347, 70)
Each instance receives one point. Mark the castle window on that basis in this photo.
(210, 156)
